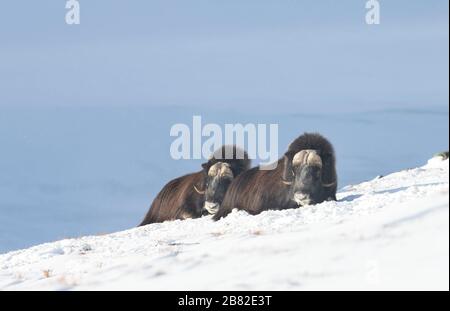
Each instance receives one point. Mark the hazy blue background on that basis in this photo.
(85, 110)
(290, 54)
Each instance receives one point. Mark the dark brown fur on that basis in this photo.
(179, 200)
(259, 190)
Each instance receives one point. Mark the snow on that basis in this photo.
(389, 233)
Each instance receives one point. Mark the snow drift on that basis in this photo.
(390, 233)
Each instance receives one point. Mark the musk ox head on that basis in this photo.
(304, 174)
(224, 164)
(219, 178)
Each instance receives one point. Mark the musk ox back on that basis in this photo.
(200, 193)
(305, 175)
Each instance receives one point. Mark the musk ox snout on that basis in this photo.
(302, 199)
(307, 187)
(211, 207)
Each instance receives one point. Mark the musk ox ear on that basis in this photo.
(288, 173)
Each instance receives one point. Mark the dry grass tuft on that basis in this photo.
(47, 273)
(257, 232)
(216, 234)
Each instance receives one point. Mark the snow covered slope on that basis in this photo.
(387, 233)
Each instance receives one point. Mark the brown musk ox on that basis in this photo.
(305, 175)
(201, 193)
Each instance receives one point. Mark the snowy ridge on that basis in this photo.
(387, 233)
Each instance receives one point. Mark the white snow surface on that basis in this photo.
(390, 233)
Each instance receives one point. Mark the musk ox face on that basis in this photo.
(217, 181)
(306, 186)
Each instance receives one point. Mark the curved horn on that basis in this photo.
(198, 191)
(329, 185)
(288, 174)
(287, 183)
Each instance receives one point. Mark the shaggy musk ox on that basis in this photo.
(305, 175)
(201, 193)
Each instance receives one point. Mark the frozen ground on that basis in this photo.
(387, 233)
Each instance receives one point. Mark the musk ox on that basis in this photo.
(305, 175)
(200, 193)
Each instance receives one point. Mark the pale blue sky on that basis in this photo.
(290, 55)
